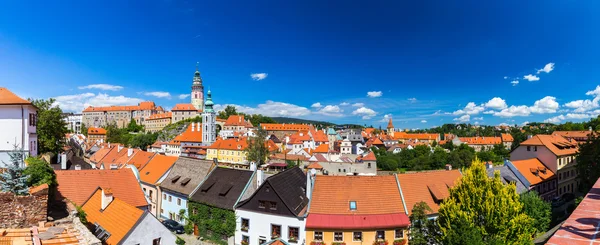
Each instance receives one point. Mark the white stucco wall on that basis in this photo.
(14, 123)
(148, 230)
(260, 226)
(546, 156)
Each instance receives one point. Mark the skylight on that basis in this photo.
(352, 205)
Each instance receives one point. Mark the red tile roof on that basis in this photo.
(237, 120)
(315, 165)
(159, 116)
(239, 144)
(118, 218)
(507, 138)
(190, 135)
(583, 226)
(555, 143)
(78, 185)
(96, 131)
(140, 159)
(319, 136)
(407, 136)
(370, 157)
(284, 127)
(183, 107)
(427, 187)
(101, 153)
(120, 158)
(156, 168)
(322, 148)
(9, 98)
(146, 105)
(390, 124)
(481, 140)
(533, 170)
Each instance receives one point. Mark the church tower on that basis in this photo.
(197, 90)
(209, 117)
(390, 128)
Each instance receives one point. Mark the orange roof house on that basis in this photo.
(319, 136)
(356, 202)
(9, 98)
(157, 116)
(117, 218)
(533, 170)
(430, 187)
(579, 136)
(145, 105)
(100, 154)
(230, 144)
(481, 140)
(284, 127)
(78, 186)
(96, 131)
(184, 107)
(237, 120)
(390, 124)
(507, 138)
(555, 143)
(117, 157)
(322, 148)
(193, 133)
(140, 159)
(156, 168)
(370, 157)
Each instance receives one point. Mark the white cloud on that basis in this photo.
(158, 94)
(374, 94)
(316, 105)
(478, 118)
(525, 123)
(505, 77)
(547, 104)
(183, 96)
(489, 112)
(547, 68)
(386, 118)
(515, 82)
(78, 102)
(496, 103)
(344, 103)
(102, 86)
(365, 112)
(556, 119)
(358, 104)
(531, 78)
(575, 116)
(595, 92)
(463, 118)
(412, 100)
(270, 108)
(331, 110)
(586, 105)
(423, 121)
(514, 111)
(258, 76)
(470, 109)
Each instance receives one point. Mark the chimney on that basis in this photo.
(192, 127)
(252, 166)
(489, 165)
(129, 152)
(108, 144)
(119, 148)
(260, 177)
(107, 198)
(529, 136)
(448, 167)
(310, 175)
(63, 161)
(77, 167)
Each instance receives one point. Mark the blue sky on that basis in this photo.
(425, 62)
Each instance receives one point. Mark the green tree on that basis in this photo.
(588, 159)
(538, 209)
(134, 127)
(501, 151)
(257, 149)
(228, 111)
(490, 209)
(422, 229)
(13, 179)
(51, 128)
(84, 129)
(142, 141)
(39, 172)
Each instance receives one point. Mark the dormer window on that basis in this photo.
(353, 205)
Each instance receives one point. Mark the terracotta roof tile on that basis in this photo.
(507, 138)
(118, 157)
(101, 153)
(9, 98)
(372, 194)
(322, 148)
(237, 120)
(156, 168)
(118, 218)
(417, 187)
(140, 159)
(319, 136)
(183, 107)
(239, 144)
(555, 143)
(370, 157)
(390, 124)
(160, 116)
(146, 105)
(407, 136)
(315, 165)
(78, 185)
(96, 131)
(533, 170)
(284, 127)
(481, 140)
(190, 135)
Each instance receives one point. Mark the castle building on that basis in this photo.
(197, 91)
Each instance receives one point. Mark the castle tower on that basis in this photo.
(390, 128)
(197, 90)
(209, 126)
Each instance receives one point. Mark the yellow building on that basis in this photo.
(356, 210)
(229, 152)
(157, 122)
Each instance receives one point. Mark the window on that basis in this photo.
(368, 165)
(164, 196)
(261, 241)
(273, 205)
(245, 224)
(156, 241)
(399, 234)
(352, 205)
(169, 198)
(179, 201)
(275, 231)
(261, 204)
(245, 240)
(357, 236)
(338, 236)
(162, 211)
(380, 235)
(528, 148)
(150, 194)
(318, 236)
(293, 233)
(535, 148)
